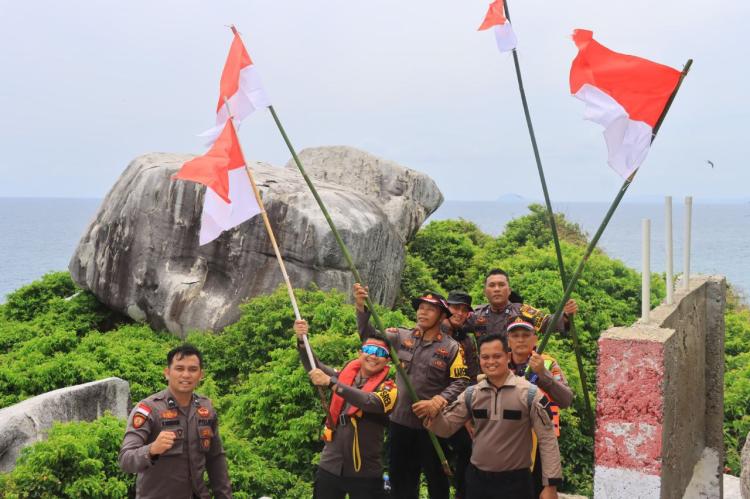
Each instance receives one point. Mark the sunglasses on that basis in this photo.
(375, 350)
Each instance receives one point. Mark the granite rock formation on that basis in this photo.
(140, 254)
(24, 423)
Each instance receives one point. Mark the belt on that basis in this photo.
(504, 475)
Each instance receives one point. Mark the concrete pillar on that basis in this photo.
(659, 400)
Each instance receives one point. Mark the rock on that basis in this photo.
(745, 475)
(24, 423)
(140, 255)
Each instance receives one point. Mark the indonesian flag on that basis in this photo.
(241, 85)
(495, 18)
(229, 198)
(623, 93)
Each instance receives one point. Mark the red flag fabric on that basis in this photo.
(212, 169)
(623, 93)
(241, 86)
(229, 199)
(495, 19)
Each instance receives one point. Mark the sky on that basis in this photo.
(87, 86)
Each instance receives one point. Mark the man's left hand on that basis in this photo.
(548, 492)
(571, 307)
(536, 362)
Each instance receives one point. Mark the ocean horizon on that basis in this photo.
(41, 234)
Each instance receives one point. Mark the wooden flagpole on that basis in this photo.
(553, 228)
(289, 288)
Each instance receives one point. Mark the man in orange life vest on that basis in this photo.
(547, 375)
(362, 398)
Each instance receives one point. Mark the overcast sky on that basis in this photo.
(87, 86)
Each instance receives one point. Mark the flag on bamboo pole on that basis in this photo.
(623, 93)
(241, 85)
(495, 19)
(229, 198)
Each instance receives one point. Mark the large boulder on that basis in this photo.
(27, 422)
(140, 255)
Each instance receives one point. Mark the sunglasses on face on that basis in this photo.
(375, 350)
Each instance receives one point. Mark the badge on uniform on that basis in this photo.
(443, 352)
(407, 344)
(206, 432)
(142, 413)
(203, 412)
(138, 420)
(168, 414)
(206, 443)
(440, 364)
(481, 320)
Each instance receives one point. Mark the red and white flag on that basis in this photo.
(623, 93)
(241, 85)
(229, 198)
(495, 19)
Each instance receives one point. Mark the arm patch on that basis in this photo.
(387, 394)
(458, 367)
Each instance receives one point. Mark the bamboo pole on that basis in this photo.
(358, 278)
(615, 203)
(280, 260)
(553, 228)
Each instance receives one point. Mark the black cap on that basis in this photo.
(459, 297)
(433, 299)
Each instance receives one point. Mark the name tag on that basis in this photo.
(511, 414)
(479, 413)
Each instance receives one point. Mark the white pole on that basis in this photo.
(645, 269)
(686, 249)
(670, 255)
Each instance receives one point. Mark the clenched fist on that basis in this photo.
(162, 444)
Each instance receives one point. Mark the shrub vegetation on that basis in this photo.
(54, 335)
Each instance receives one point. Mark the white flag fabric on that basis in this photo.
(242, 87)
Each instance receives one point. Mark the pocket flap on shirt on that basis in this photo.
(511, 414)
(479, 413)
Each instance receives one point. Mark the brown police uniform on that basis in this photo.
(178, 472)
(503, 421)
(468, 347)
(485, 320)
(337, 457)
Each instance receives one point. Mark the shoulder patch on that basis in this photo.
(387, 395)
(138, 420)
(203, 412)
(458, 368)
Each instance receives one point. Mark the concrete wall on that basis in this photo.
(24, 423)
(660, 399)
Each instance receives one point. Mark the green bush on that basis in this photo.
(77, 460)
(34, 299)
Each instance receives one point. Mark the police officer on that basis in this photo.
(172, 437)
(362, 397)
(546, 373)
(459, 304)
(505, 408)
(495, 316)
(436, 368)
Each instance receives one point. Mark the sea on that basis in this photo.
(39, 235)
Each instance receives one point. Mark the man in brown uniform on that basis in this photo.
(459, 304)
(505, 408)
(363, 396)
(495, 316)
(173, 437)
(436, 368)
